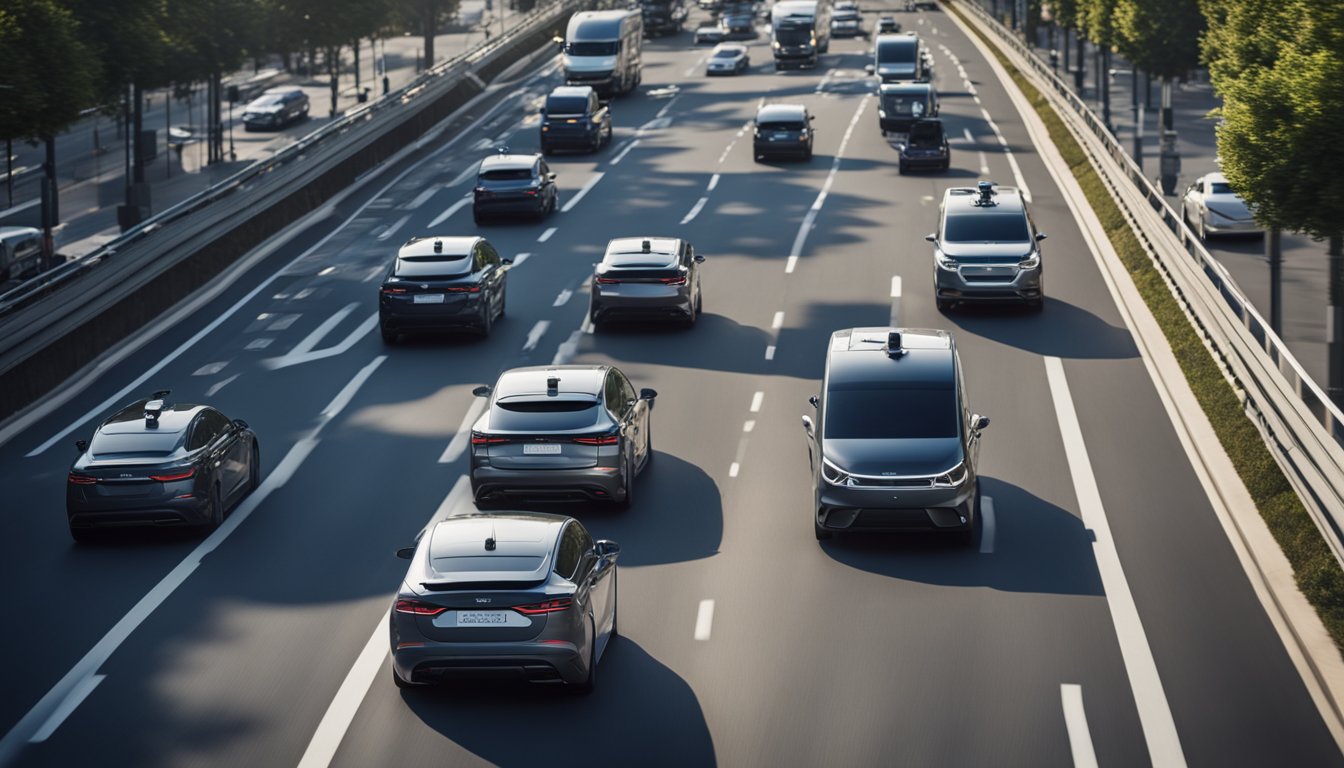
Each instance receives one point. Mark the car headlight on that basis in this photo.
(833, 474)
(944, 261)
(774, 44)
(954, 478)
(1032, 261)
(881, 112)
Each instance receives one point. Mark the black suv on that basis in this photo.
(573, 118)
(893, 443)
(782, 129)
(508, 183)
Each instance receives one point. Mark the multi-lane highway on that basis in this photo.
(1102, 610)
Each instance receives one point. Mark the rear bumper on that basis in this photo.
(164, 511)
(926, 161)
(410, 320)
(590, 484)
(554, 662)
(553, 140)
(492, 207)
(1222, 226)
(678, 306)
(781, 148)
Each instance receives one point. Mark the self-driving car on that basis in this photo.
(782, 129)
(986, 248)
(508, 183)
(924, 146)
(648, 277)
(443, 283)
(573, 118)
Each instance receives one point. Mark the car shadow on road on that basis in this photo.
(1036, 547)
(641, 713)
(1060, 330)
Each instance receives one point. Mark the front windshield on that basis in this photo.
(726, 53)
(981, 227)
(877, 414)
(1220, 188)
(904, 105)
(794, 36)
(607, 48)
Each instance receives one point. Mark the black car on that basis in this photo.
(738, 25)
(925, 146)
(566, 433)
(782, 129)
(900, 104)
(158, 463)
(893, 441)
(275, 108)
(573, 118)
(655, 277)
(511, 184)
(442, 283)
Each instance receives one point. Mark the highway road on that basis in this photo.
(1102, 611)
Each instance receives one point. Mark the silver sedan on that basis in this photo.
(728, 59)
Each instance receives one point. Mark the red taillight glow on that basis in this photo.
(418, 608)
(531, 192)
(386, 289)
(550, 606)
(82, 479)
(463, 289)
(607, 281)
(679, 280)
(172, 476)
(481, 438)
(603, 440)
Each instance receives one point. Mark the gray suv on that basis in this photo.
(986, 248)
(893, 443)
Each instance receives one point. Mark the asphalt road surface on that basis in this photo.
(1102, 610)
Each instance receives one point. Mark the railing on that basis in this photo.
(1302, 426)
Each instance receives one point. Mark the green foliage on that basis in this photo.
(209, 37)
(1160, 37)
(128, 38)
(48, 73)
(1095, 20)
(1064, 12)
(1280, 74)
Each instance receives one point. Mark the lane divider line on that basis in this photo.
(695, 210)
(770, 352)
(341, 712)
(749, 425)
(545, 235)
(76, 697)
(422, 198)
(756, 401)
(1075, 720)
(458, 445)
(777, 322)
(454, 208)
(733, 469)
(534, 335)
(392, 230)
(563, 298)
(704, 620)
(809, 220)
(583, 191)
(895, 300)
(625, 151)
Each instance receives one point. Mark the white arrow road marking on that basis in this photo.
(304, 351)
(454, 208)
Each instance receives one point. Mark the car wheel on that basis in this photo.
(389, 336)
(966, 538)
(808, 154)
(615, 605)
(216, 509)
(648, 448)
(587, 686)
(487, 322)
(503, 299)
(947, 164)
(822, 533)
(546, 150)
(592, 318)
(900, 168)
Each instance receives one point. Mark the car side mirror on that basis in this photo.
(699, 258)
(807, 425)
(1041, 236)
(481, 391)
(932, 237)
(647, 393)
(607, 548)
(551, 176)
(239, 423)
(81, 445)
(979, 422)
(815, 401)
(869, 68)
(506, 262)
(406, 553)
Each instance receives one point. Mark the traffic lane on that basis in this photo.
(1142, 473)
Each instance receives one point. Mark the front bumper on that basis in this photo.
(895, 509)
(589, 484)
(710, 70)
(785, 58)
(975, 282)
(523, 661)
(1218, 225)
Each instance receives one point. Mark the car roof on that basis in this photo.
(664, 245)
(6, 232)
(781, 112)
(130, 420)
(460, 245)
(906, 88)
(735, 47)
(1215, 177)
(281, 90)
(572, 90)
(859, 357)
(530, 381)
(964, 199)
(513, 546)
(508, 162)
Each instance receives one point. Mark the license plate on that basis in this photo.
(428, 298)
(780, 137)
(482, 618)
(541, 449)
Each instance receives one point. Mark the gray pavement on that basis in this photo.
(858, 651)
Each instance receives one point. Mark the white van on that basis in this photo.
(602, 50)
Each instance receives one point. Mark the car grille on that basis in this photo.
(891, 518)
(893, 482)
(979, 274)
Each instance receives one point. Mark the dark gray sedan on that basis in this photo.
(566, 433)
(648, 277)
(507, 596)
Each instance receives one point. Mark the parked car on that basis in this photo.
(276, 108)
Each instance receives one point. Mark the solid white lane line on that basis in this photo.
(663, 112)
(1159, 729)
(76, 697)
(327, 738)
(392, 230)
(895, 300)
(454, 208)
(1017, 174)
(348, 392)
(545, 235)
(424, 196)
(534, 335)
(592, 182)
(563, 298)
(214, 388)
(778, 321)
(732, 469)
(770, 352)
(210, 369)
(809, 220)
(756, 401)
(749, 425)
(457, 502)
(791, 263)
(713, 181)
(621, 155)
(458, 445)
(374, 274)
(986, 525)
(704, 619)
(695, 210)
(896, 286)
(1075, 720)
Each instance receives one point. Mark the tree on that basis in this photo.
(205, 39)
(1278, 69)
(1161, 37)
(426, 16)
(1097, 19)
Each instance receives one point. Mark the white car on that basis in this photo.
(1210, 207)
(728, 59)
(708, 33)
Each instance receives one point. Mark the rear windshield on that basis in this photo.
(566, 105)
(142, 443)
(433, 267)
(896, 52)
(593, 49)
(925, 134)
(874, 414)
(507, 174)
(779, 125)
(986, 228)
(543, 415)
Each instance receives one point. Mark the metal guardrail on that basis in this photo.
(1303, 427)
(427, 84)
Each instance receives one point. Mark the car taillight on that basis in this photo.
(387, 289)
(607, 281)
(482, 192)
(481, 438)
(171, 476)
(550, 606)
(531, 192)
(679, 280)
(603, 440)
(464, 289)
(82, 479)
(418, 608)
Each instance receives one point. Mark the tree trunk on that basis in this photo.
(334, 69)
(1165, 117)
(429, 21)
(1334, 321)
(137, 125)
(51, 211)
(1274, 254)
(1081, 72)
(1104, 81)
(356, 47)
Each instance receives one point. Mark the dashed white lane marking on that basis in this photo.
(733, 469)
(749, 425)
(1075, 720)
(573, 201)
(1159, 729)
(534, 335)
(984, 164)
(454, 208)
(770, 352)
(1008, 152)
(778, 321)
(374, 274)
(563, 298)
(624, 151)
(466, 173)
(809, 220)
(392, 230)
(695, 210)
(545, 236)
(662, 113)
(283, 322)
(214, 388)
(261, 343)
(791, 264)
(895, 300)
(896, 286)
(458, 444)
(756, 401)
(210, 369)
(423, 197)
(713, 182)
(569, 347)
(520, 258)
(76, 697)
(704, 620)
(967, 133)
(326, 272)
(987, 524)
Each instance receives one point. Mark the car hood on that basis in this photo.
(987, 250)
(1230, 206)
(894, 457)
(589, 63)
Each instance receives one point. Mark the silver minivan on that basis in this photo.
(20, 252)
(986, 248)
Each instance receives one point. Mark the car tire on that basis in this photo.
(503, 301)
(807, 156)
(487, 323)
(944, 305)
(947, 164)
(216, 509)
(822, 533)
(389, 336)
(966, 538)
(546, 150)
(615, 605)
(587, 686)
(900, 168)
